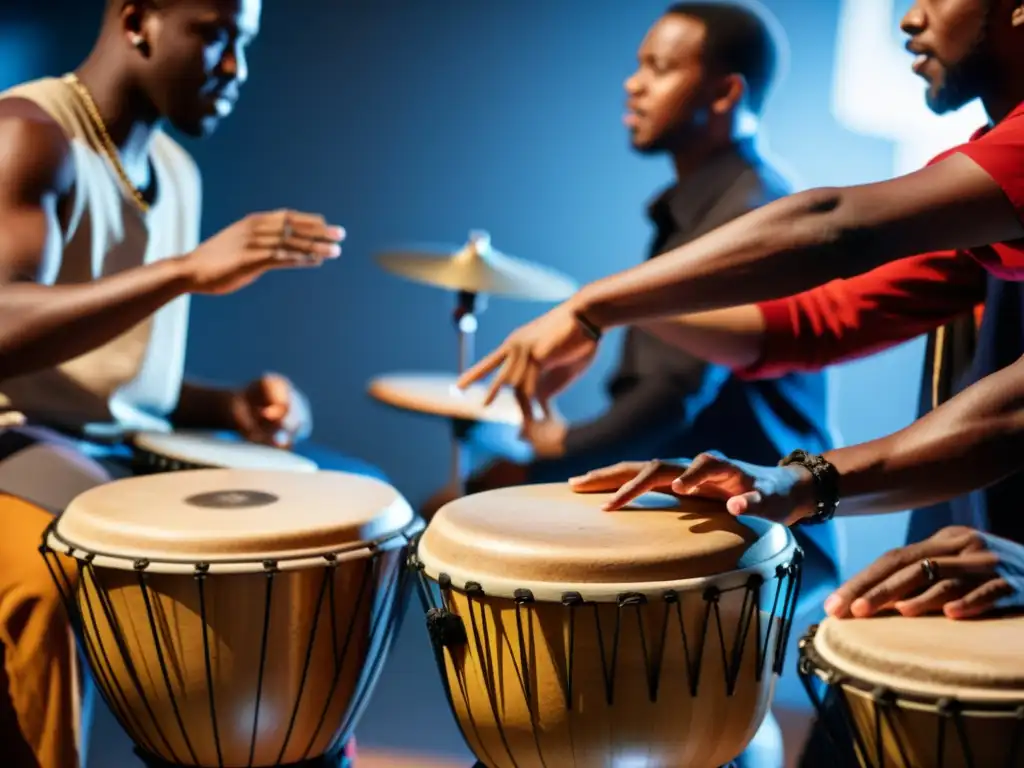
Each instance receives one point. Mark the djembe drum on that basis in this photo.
(566, 635)
(176, 451)
(236, 618)
(921, 692)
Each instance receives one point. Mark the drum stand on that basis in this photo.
(467, 307)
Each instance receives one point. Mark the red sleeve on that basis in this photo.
(846, 319)
(1000, 153)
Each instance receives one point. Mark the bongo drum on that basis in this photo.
(176, 451)
(233, 617)
(921, 692)
(570, 636)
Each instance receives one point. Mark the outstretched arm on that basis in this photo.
(733, 337)
(42, 325)
(970, 442)
(810, 238)
(972, 198)
(839, 321)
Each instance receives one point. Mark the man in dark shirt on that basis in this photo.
(703, 76)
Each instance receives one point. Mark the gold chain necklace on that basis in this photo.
(108, 144)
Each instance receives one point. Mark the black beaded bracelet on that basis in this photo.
(592, 331)
(826, 484)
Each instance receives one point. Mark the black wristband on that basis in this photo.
(592, 331)
(826, 484)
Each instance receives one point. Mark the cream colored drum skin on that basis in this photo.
(176, 451)
(569, 636)
(436, 394)
(236, 617)
(921, 692)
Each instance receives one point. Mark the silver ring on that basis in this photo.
(931, 573)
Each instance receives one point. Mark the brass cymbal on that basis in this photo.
(479, 268)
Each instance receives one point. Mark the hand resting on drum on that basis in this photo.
(960, 571)
(780, 494)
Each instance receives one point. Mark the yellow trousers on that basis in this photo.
(39, 706)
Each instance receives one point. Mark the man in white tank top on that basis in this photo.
(99, 252)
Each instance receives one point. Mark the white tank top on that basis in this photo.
(132, 382)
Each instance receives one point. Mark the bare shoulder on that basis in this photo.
(35, 153)
(36, 171)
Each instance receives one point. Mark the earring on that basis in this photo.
(137, 41)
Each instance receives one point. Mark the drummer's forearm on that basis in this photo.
(203, 406)
(968, 443)
(809, 238)
(731, 337)
(785, 247)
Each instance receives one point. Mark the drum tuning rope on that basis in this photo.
(866, 725)
(98, 596)
(475, 627)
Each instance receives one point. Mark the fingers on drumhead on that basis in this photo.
(691, 476)
(653, 475)
(980, 600)
(932, 599)
(606, 478)
(745, 504)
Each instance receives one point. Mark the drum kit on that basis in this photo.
(473, 272)
(236, 605)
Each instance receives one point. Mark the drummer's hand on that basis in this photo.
(271, 411)
(547, 436)
(538, 360)
(974, 573)
(781, 494)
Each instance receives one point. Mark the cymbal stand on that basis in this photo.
(468, 305)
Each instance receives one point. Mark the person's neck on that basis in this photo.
(125, 114)
(1004, 96)
(697, 151)
(997, 107)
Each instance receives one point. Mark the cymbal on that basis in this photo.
(479, 268)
